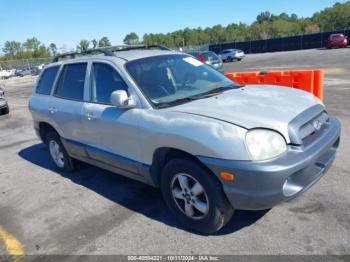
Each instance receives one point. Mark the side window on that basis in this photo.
(105, 80)
(71, 82)
(46, 80)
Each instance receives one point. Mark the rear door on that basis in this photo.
(65, 106)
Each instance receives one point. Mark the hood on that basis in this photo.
(253, 106)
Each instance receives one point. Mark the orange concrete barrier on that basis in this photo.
(307, 80)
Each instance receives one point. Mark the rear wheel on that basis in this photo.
(195, 196)
(58, 153)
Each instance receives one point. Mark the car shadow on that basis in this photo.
(129, 193)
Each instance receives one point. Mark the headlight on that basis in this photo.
(264, 144)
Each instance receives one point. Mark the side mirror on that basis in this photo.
(121, 99)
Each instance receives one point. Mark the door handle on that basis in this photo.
(52, 110)
(89, 116)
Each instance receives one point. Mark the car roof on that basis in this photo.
(127, 56)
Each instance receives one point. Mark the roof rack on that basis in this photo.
(108, 51)
(72, 55)
(135, 47)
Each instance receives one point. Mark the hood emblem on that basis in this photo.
(317, 124)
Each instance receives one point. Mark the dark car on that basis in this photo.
(210, 58)
(337, 40)
(4, 108)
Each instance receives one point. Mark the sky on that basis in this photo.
(66, 22)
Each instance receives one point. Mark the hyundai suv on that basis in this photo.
(168, 120)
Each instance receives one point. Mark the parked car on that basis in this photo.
(337, 40)
(168, 120)
(209, 58)
(6, 74)
(229, 55)
(21, 72)
(4, 107)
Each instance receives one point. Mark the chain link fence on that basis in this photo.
(23, 63)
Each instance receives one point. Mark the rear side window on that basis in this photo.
(71, 82)
(105, 80)
(46, 80)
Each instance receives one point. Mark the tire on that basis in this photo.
(239, 59)
(6, 111)
(215, 212)
(60, 158)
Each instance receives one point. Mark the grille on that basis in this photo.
(314, 126)
(308, 125)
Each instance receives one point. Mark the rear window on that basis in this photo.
(71, 82)
(46, 80)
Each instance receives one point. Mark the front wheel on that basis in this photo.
(195, 196)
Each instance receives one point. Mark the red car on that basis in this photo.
(337, 40)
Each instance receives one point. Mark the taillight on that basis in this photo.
(201, 57)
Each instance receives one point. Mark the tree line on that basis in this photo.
(265, 26)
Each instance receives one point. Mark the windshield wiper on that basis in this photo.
(215, 91)
(208, 94)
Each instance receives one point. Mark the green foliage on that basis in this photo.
(104, 42)
(131, 39)
(333, 18)
(266, 26)
(53, 49)
(94, 43)
(83, 45)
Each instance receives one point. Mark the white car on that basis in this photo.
(228, 55)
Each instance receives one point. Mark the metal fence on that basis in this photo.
(309, 41)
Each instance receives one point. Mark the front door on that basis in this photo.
(110, 133)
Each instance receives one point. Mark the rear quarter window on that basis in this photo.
(46, 80)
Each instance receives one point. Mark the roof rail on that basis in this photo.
(72, 55)
(108, 51)
(135, 47)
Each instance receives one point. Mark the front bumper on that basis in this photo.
(3, 103)
(261, 185)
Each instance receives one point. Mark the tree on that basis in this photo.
(104, 42)
(336, 17)
(11, 47)
(83, 45)
(53, 49)
(31, 44)
(263, 17)
(131, 39)
(94, 43)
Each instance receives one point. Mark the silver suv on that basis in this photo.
(171, 121)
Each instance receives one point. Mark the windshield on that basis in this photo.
(172, 79)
